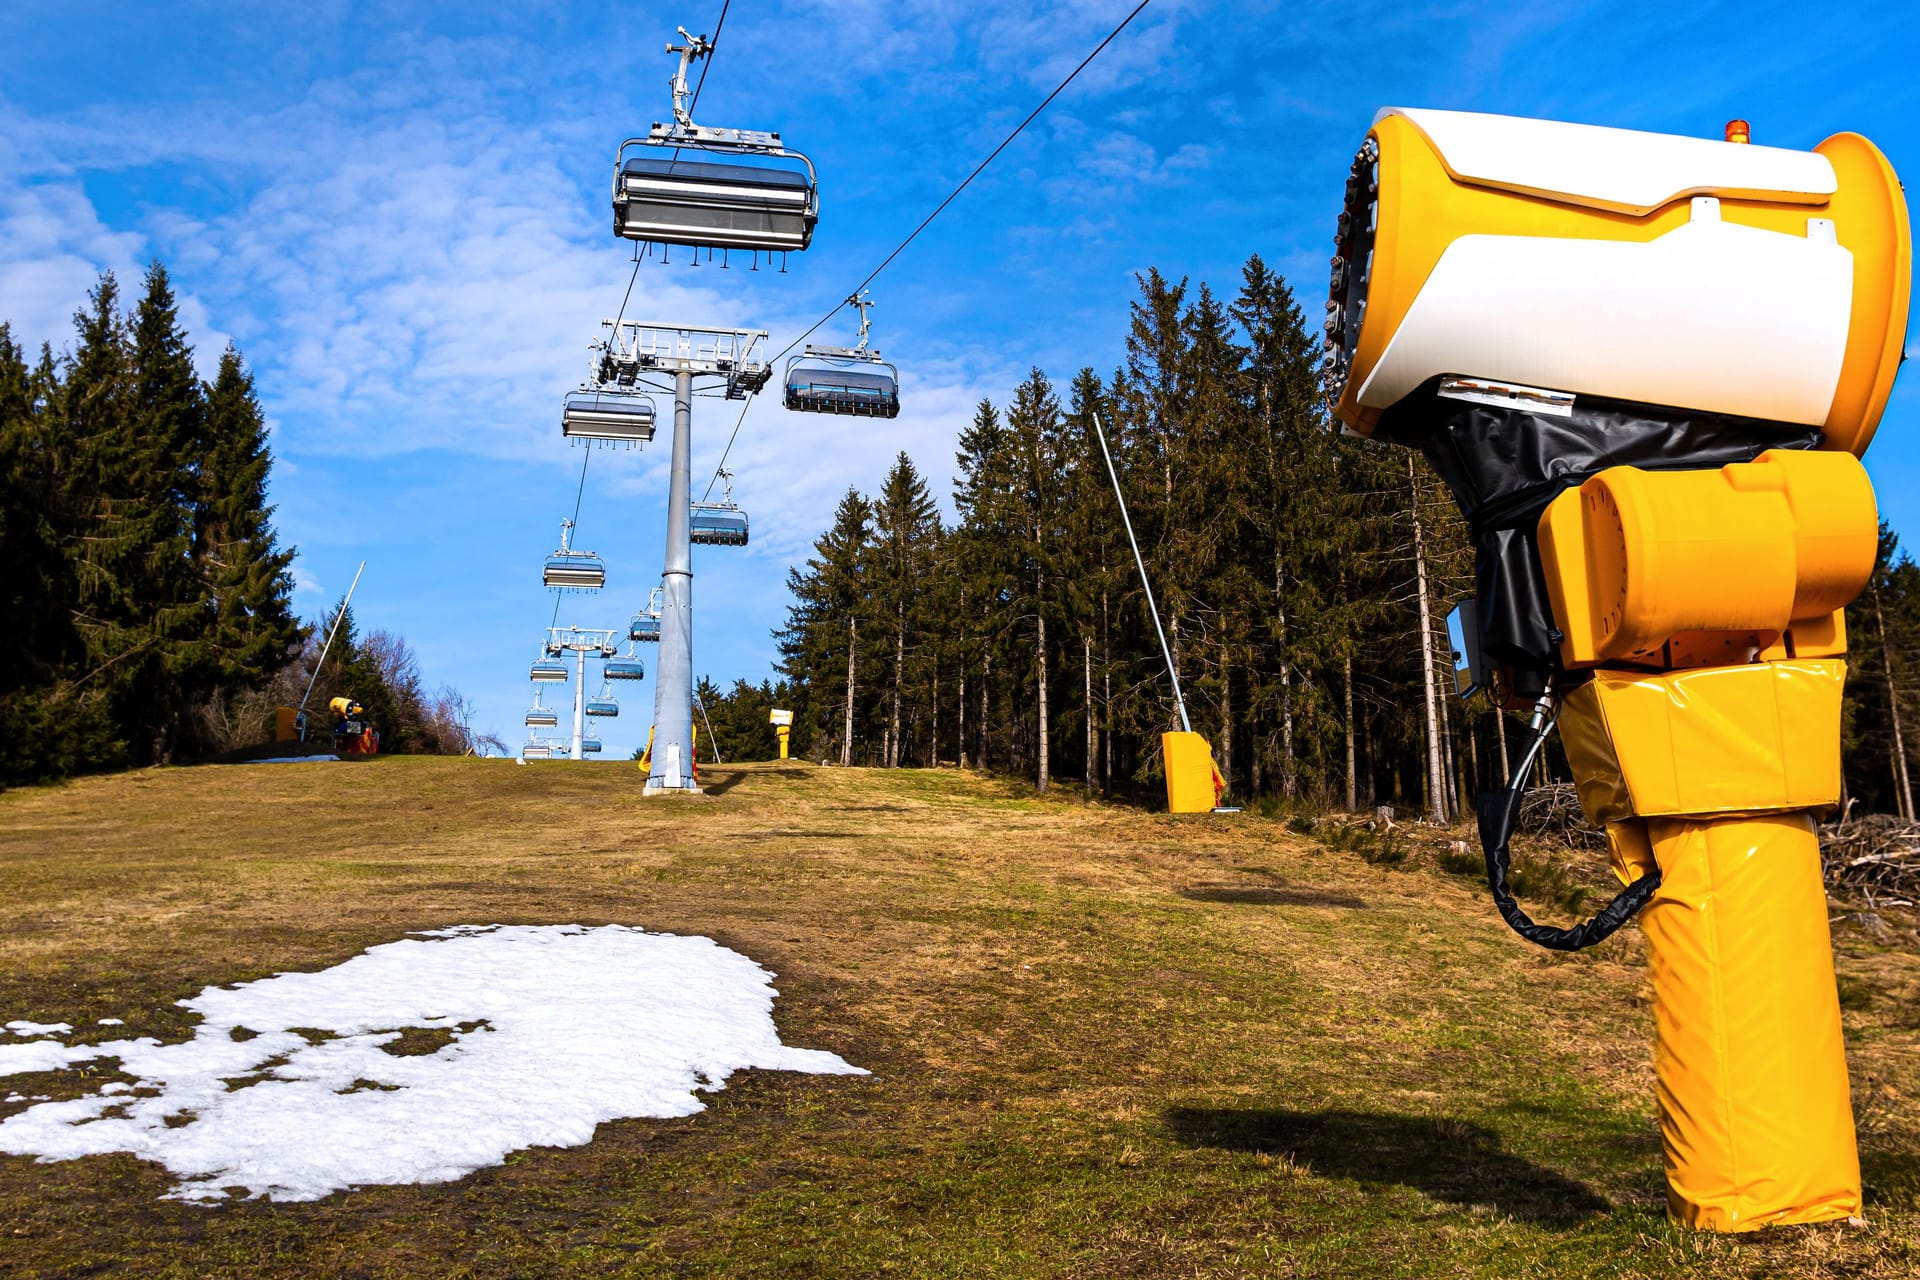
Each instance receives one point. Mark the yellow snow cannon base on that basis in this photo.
(1755, 1118)
(1756, 1124)
(1193, 784)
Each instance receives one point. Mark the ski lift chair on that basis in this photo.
(548, 670)
(625, 668)
(604, 704)
(537, 750)
(646, 622)
(822, 383)
(852, 380)
(727, 196)
(716, 203)
(714, 524)
(611, 416)
(539, 717)
(718, 524)
(570, 570)
(591, 746)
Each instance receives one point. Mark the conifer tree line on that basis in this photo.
(145, 602)
(1303, 578)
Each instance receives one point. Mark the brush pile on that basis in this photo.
(1552, 814)
(1872, 861)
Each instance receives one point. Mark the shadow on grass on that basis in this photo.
(1271, 895)
(734, 777)
(1449, 1160)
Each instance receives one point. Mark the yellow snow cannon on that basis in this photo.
(1647, 366)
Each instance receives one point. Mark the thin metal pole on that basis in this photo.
(712, 740)
(1179, 700)
(579, 698)
(301, 716)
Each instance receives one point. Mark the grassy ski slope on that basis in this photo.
(1103, 1043)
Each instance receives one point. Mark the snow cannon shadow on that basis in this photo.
(1450, 1160)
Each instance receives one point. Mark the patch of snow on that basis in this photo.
(112, 1022)
(552, 1031)
(21, 1027)
(294, 760)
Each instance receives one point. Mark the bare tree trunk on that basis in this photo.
(1289, 773)
(1500, 736)
(1106, 700)
(899, 671)
(1226, 715)
(1436, 787)
(1040, 644)
(1086, 662)
(853, 649)
(963, 712)
(933, 755)
(986, 709)
(1473, 763)
(1353, 774)
(1901, 777)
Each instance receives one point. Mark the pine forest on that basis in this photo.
(1303, 579)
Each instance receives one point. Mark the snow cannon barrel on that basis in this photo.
(1532, 303)
(1577, 261)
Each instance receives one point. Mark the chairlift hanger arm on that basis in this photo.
(695, 48)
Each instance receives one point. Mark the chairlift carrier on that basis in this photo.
(570, 570)
(717, 524)
(848, 380)
(722, 201)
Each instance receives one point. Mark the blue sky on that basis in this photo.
(399, 213)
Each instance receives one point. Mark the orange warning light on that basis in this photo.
(1737, 131)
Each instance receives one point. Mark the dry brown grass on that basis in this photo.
(1103, 1042)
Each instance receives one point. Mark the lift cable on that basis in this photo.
(938, 210)
(579, 493)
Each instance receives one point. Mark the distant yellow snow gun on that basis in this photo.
(1647, 366)
(1194, 782)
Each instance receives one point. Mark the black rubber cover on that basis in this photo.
(1498, 810)
(1504, 465)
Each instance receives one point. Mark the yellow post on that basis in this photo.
(782, 722)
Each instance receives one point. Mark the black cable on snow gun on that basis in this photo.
(1498, 812)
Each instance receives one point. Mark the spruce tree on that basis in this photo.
(251, 629)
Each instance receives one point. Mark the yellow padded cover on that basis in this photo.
(1191, 776)
(1755, 1121)
(1634, 558)
(1765, 736)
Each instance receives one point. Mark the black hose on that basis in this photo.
(1498, 812)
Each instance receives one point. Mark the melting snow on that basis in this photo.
(550, 1031)
(21, 1027)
